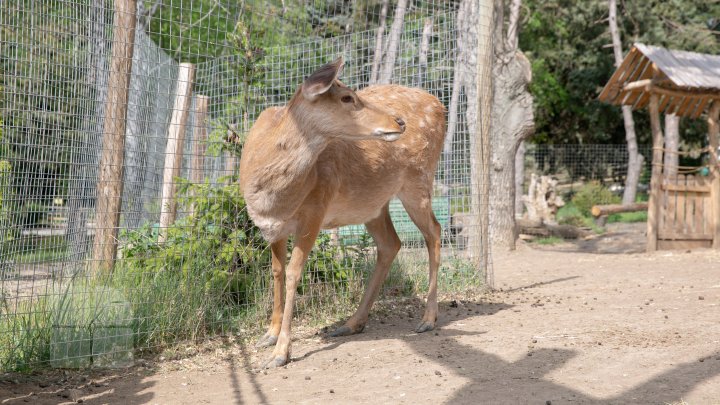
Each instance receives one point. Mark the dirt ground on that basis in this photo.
(568, 326)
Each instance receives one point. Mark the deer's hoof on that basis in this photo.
(425, 326)
(346, 331)
(275, 362)
(266, 341)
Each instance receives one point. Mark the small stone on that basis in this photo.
(307, 377)
(332, 391)
(285, 377)
(701, 298)
(548, 402)
(437, 372)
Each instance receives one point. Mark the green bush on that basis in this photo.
(591, 194)
(202, 275)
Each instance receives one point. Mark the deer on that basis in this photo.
(333, 157)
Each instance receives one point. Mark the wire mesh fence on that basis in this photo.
(576, 165)
(145, 105)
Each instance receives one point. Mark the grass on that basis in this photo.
(628, 217)
(102, 321)
(549, 241)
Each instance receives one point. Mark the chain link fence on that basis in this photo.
(145, 105)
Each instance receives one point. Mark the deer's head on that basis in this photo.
(325, 106)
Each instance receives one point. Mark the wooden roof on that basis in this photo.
(686, 82)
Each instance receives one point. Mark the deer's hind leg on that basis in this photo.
(388, 244)
(279, 257)
(418, 204)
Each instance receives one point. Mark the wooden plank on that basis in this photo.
(690, 207)
(112, 159)
(680, 220)
(701, 108)
(613, 88)
(683, 244)
(699, 209)
(656, 174)
(680, 109)
(686, 188)
(665, 99)
(670, 214)
(174, 147)
(714, 137)
(684, 236)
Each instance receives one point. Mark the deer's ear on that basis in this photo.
(322, 79)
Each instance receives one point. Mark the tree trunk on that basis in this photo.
(377, 57)
(512, 123)
(424, 50)
(672, 143)
(519, 178)
(393, 42)
(635, 160)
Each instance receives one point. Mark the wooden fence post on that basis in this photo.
(656, 178)
(174, 148)
(714, 136)
(197, 172)
(197, 168)
(110, 186)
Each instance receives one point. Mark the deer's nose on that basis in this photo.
(401, 123)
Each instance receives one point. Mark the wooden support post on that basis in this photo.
(110, 186)
(714, 137)
(656, 178)
(230, 164)
(174, 148)
(481, 184)
(197, 168)
(197, 173)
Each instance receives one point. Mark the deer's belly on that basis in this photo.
(341, 215)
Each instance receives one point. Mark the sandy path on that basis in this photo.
(567, 328)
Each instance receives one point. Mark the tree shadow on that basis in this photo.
(526, 380)
(124, 386)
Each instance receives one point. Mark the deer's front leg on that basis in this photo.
(305, 239)
(279, 257)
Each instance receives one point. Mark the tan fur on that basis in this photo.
(323, 163)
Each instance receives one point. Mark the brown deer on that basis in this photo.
(335, 157)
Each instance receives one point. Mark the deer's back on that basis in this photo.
(367, 174)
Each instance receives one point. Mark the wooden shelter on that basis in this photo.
(683, 210)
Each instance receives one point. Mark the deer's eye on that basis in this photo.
(346, 99)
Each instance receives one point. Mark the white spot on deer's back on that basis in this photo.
(422, 124)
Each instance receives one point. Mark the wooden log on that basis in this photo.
(537, 228)
(174, 148)
(110, 184)
(599, 210)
